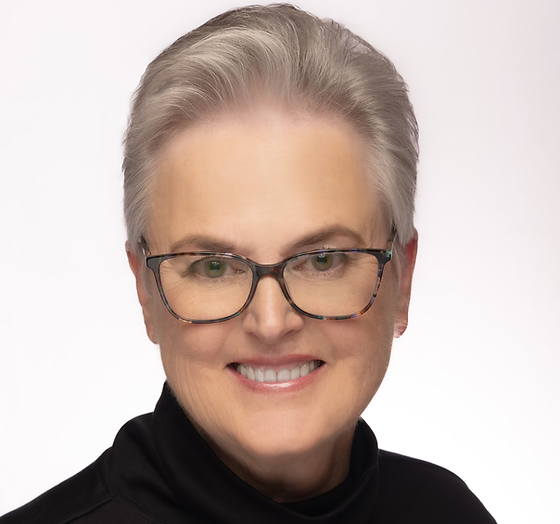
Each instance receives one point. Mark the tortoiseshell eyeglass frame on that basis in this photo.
(153, 262)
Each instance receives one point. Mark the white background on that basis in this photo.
(473, 384)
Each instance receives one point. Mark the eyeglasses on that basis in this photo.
(204, 287)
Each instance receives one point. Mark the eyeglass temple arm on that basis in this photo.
(391, 240)
(144, 246)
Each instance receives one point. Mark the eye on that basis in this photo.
(322, 262)
(214, 268)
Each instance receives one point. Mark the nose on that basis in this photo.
(269, 316)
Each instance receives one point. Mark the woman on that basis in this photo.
(270, 166)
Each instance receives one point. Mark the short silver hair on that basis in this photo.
(297, 60)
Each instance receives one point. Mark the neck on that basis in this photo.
(292, 477)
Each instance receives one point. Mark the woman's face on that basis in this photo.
(260, 185)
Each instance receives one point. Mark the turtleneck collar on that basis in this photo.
(160, 463)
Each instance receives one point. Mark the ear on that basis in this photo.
(407, 262)
(136, 263)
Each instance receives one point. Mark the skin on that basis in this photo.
(260, 183)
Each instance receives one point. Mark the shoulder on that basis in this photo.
(410, 487)
(84, 498)
(76, 496)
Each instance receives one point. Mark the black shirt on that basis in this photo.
(161, 471)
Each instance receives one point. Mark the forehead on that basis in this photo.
(262, 181)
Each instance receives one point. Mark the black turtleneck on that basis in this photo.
(160, 470)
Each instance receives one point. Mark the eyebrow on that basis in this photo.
(328, 234)
(206, 243)
(202, 243)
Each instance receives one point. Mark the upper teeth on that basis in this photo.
(282, 375)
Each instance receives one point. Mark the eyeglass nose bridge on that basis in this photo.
(262, 270)
(277, 272)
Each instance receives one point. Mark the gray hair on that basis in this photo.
(295, 59)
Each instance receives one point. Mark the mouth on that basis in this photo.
(271, 376)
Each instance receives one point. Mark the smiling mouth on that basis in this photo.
(259, 374)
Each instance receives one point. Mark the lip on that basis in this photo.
(277, 364)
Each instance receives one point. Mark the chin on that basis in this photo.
(288, 434)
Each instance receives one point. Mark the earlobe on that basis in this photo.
(144, 296)
(407, 263)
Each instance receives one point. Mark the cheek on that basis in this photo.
(363, 349)
(191, 356)
(368, 348)
(189, 347)
(182, 345)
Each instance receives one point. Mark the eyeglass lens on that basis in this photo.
(322, 284)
